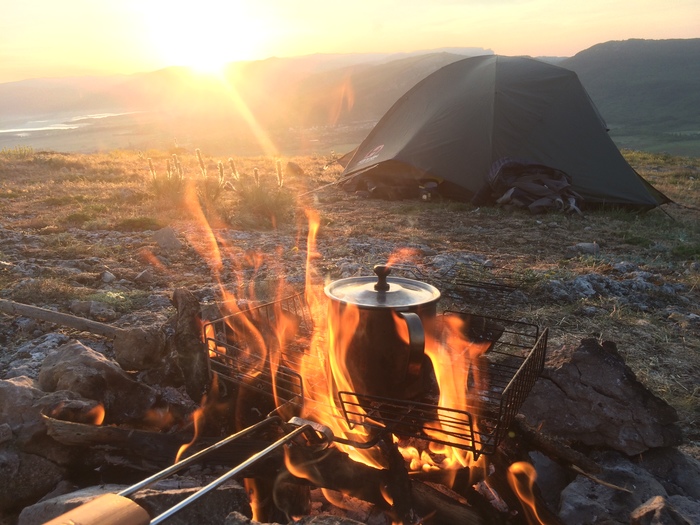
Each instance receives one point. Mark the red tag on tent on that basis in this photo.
(372, 154)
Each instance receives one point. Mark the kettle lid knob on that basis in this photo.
(382, 271)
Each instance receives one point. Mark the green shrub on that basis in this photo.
(171, 185)
(262, 202)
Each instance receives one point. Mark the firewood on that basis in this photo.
(43, 314)
(443, 507)
(336, 471)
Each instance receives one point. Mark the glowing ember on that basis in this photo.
(97, 414)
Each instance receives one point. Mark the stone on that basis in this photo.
(144, 277)
(167, 239)
(80, 308)
(585, 248)
(102, 312)
(186, 343)
(552, 478)
(588, 395)
(108, 277)
(32, 477)
(5, 433)
(676, 471)
(139, 348)
(585, 501)
(22, 404)
(88, 373)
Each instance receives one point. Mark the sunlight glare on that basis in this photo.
(205, 36)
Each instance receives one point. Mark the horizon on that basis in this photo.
(46, 39)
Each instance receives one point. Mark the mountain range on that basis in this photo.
(648, 91)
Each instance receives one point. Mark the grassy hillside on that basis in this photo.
(648, 91)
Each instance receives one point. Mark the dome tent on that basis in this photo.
(456, 123)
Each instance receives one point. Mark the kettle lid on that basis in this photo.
(382, 291)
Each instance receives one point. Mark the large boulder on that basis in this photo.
(588, 395)
(22, 405)
(81, 370)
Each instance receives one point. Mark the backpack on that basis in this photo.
(523, 184)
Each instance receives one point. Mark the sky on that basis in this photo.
(59, 38)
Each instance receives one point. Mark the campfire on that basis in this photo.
(366, 386)
(368, 390)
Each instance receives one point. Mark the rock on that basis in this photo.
(688, 508)
(21, 408)
(585, 501)
(32, 354)
(186, 343)
(584, 248)
(17, 398)
(31, 478)
(167, 239)
(210, 509)
(108, 277)
(144, 277)
(101, 312)
(236, 518)
(294, 169)
(657, 511)
(677, 472)
(551, 478)
(588, 395)
(5, 433)
(139, 348)
(80, 369)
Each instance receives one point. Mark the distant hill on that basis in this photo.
(648, 91)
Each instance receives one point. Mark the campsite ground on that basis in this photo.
(66, 219)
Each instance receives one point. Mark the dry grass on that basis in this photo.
(55, 195)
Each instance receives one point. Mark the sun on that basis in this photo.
(205, 35)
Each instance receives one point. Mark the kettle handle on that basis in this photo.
(416, 345)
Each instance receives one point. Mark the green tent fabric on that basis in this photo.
(457, 122)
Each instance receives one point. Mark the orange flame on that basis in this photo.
(97, 414)
(521, 478)
(323, 365)
(197, 418)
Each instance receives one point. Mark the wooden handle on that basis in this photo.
(110, 509)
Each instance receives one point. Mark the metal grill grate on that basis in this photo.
(512, 358)
(493, 288)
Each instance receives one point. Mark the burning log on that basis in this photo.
(334, 470)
